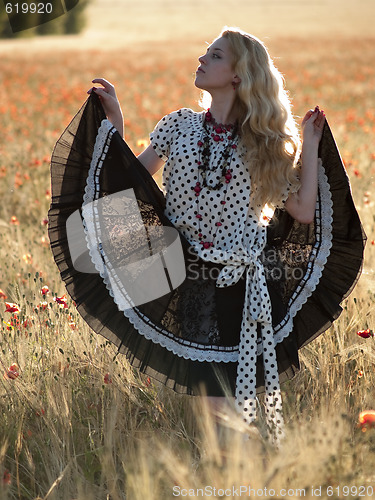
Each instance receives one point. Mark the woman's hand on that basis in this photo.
(111, 105)
(301, 205)
(312, 126)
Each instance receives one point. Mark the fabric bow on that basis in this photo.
(257, 311)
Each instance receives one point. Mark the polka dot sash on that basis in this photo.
(257, 310)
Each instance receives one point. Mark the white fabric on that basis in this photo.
(257, 310)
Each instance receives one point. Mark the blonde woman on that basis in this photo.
(234, 326)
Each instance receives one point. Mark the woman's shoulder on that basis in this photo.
(174, 126)
(184, 115)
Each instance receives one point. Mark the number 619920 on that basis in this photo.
(28, 8)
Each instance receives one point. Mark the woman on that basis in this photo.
(225, 172)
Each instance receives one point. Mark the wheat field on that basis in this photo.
(77, 422)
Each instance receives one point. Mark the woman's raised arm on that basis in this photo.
(301, 205)
(107, 95)
(111, 105)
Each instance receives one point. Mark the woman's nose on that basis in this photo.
(201, 59)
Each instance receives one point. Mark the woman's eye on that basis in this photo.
(215, 56)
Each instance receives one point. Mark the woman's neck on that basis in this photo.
(224, 111)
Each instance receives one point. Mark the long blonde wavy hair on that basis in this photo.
(267, 127)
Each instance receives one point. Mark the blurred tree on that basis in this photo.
(24, 22)
(33, 24)
(75, 20)
(5, 29)
(48, 27)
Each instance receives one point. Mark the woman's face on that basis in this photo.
(215, 71)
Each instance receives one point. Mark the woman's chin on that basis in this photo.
(196, 83)
(203, 89)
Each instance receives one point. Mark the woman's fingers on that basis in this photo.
(109, 101)
(101, 92)
(312, 124)
(103, 81)
(306, 118)
(316, 116)
(319, 121)
(314, 113)
(108, 87)
(308, 115)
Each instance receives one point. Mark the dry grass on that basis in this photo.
(67, 434)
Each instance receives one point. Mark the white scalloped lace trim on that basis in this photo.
(318, 259)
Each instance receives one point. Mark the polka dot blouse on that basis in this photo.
(175, 140)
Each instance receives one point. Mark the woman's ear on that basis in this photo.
(236, 79)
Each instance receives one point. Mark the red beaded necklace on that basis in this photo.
(218, 133)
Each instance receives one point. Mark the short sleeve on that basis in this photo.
(284, 196)
(162, 136)
(289, 189)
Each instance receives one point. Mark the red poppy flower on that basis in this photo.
(27, 323)
(14, 221)
(12, 308)
(9, 325)
(44, 290)
(13, 372)
(7, 478)
(142, 143)
(366, 419)
(44, 241)
(27, 258)
(365, 334)
(62, 301)
(13, 323)
(107, 378)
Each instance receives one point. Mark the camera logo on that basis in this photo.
(26, 14)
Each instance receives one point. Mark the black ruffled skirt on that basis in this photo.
(188, 337)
